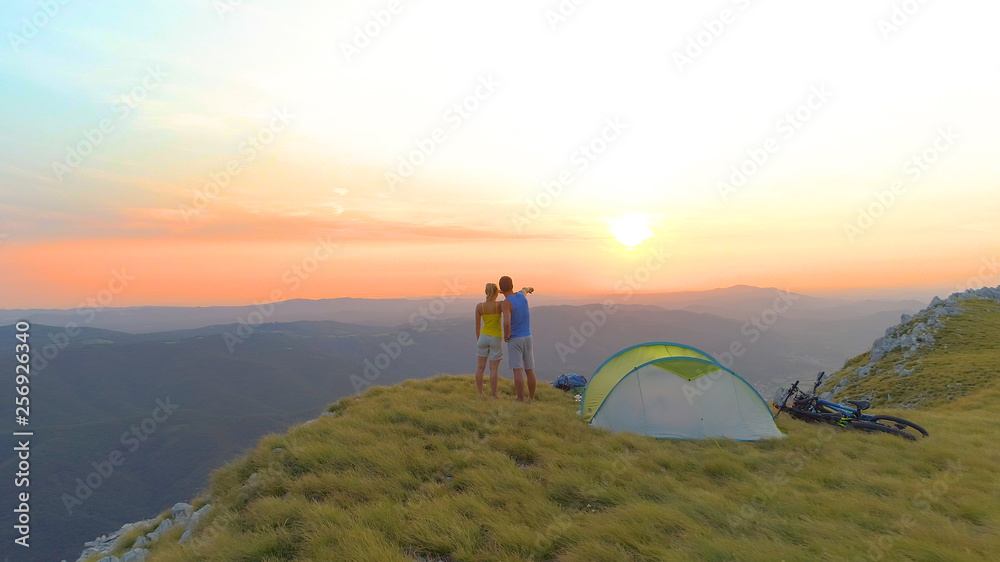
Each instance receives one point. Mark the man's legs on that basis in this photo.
(519, 384)
(529, 366)
(517, 351)
(480, 367)
(494, 377)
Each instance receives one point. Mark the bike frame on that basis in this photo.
(844, 410)
(809, 407)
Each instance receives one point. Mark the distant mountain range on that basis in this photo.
(234, 377)
(421, 471)
(738, 302)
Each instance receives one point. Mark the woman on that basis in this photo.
(489, 339)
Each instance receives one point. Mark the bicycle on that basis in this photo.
(811, 408)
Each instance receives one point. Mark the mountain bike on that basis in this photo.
(808, 406)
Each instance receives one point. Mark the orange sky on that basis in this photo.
(467, 141)
(238, 271)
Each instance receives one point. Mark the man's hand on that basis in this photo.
(527, 290)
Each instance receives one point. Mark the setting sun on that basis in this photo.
(631, 229)
(379, 134)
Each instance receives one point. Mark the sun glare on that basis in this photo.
(631, 229)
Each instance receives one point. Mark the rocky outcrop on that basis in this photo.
(914, 333)
(105, 544)
(135, 555)
(195, 522)
(181, 514)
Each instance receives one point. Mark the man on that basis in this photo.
(517, 334)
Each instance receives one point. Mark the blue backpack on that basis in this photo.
(568, 381)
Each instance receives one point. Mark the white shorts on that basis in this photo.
(490, 346)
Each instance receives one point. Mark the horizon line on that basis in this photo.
(820, 293)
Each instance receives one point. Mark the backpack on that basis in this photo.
(569, 381)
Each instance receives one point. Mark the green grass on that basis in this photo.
(965, 357)
(428, 469)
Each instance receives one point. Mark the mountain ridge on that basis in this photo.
(569, 492)
(739, 300)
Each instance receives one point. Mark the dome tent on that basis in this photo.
(674, 391)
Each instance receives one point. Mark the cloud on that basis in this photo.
(290, 225)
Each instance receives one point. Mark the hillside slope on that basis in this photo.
(427, 471)
(102, 383)
(948, 350)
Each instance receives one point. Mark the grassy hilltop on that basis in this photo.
(427, 471)
(964, 358)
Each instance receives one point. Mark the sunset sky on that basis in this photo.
(376, 149)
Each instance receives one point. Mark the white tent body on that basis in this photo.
(652, 400)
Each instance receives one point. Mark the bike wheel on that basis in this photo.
(901, 424)
(877, 427)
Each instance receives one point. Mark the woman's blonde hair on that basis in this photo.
(491, 290)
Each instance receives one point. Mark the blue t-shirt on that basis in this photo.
(520, 320)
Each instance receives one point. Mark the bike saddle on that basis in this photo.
(860, 404)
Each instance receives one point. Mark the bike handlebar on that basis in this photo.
(819, 379)
(791, 391)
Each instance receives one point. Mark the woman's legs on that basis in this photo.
(494, 377)
(480, 368)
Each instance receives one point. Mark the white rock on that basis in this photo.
(137, 555)
(160, 529)
(196, 521)
(181, 510)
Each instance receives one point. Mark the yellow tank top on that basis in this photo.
(491, 323)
